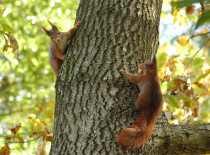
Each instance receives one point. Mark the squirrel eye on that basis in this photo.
(59, 32)
(146, 65)
(51, 38)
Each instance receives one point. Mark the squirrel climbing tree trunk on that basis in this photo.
(93, 99)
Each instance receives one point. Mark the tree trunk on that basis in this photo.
(93, 100)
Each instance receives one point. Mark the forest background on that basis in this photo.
(27, 83)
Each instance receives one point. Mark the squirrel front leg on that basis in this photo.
(73, 30)
(58, 53)
(131, 77)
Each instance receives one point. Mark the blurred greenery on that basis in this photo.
(27, 83)
(27, 93)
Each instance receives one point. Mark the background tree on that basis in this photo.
(27, 83)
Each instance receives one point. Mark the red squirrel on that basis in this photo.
(59, 41)
(149, 103)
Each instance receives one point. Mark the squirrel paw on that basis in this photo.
(63, 56)
(124, 72)
(78, 23)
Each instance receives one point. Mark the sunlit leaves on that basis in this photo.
(185, 78)
(180, 18)
(39, 130)
(37, 124)
(190, 8)
(166, 70)
(184, 87)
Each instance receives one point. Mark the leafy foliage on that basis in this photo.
(189, 5)
(27, 81)
(185, 72)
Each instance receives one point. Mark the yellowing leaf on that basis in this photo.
(13, 44)
(204, 31)
(15, 128)
(190, 9)
(167, 69)
(5, 150)
(1, 9)
(182, 40)
(31, 118)
(180, 115)
(6, 45)
(40, 107)
(48, 137)
(33, 134)
(20, 139)
(9, 138)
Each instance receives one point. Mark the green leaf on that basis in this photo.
(34, 61)
(7, 28)
(185, 3)
(184, 98)
(204, 18)
(202, 76)
(172, 100)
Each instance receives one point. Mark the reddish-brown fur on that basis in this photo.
(59, 41)
(149, 103)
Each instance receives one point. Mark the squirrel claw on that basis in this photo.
(123, 71)
(62, 58)
(78, 23)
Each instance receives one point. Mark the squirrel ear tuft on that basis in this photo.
(154, 58)
(45, 30)
(53, 26)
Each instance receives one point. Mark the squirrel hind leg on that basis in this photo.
(130, 138)
(140, 102)
(56, 65)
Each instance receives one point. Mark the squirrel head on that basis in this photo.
(54, 33)
(146, 68)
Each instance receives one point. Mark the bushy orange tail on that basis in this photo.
(138, 133)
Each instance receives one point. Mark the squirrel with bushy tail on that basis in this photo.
(149, 103)
(58, 45)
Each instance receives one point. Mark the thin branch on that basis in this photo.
(27, 141)
(196, 54)
(196, 35)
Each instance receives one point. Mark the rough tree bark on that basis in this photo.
(93, 100)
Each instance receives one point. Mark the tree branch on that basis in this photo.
(196, 35)
(196, 53)
(188, 138)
